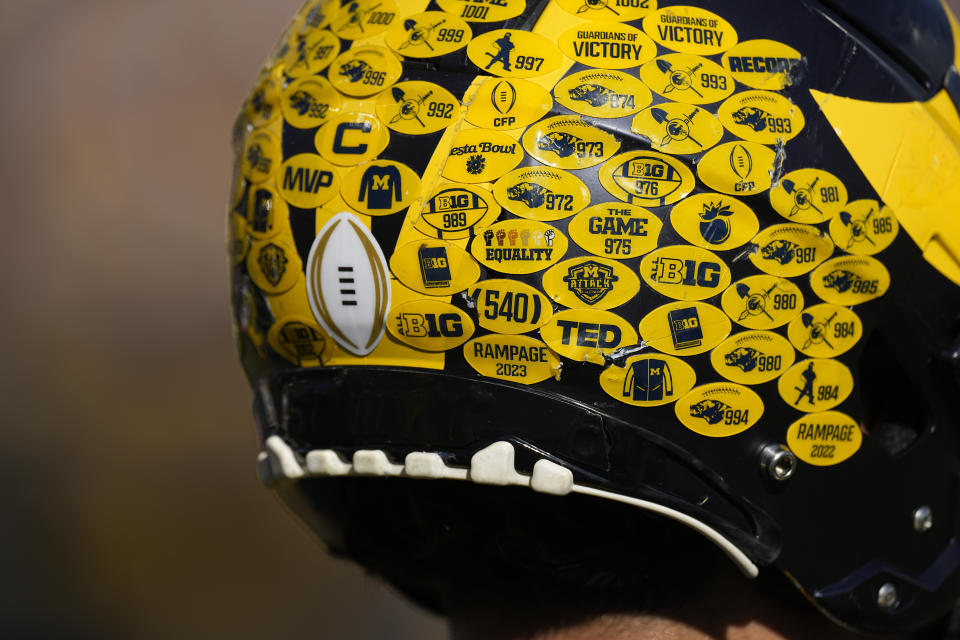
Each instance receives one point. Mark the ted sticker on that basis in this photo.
(591, 282)
(753, 357)
(509, 306)
(808, 196)
(864, 227)
(454, 211)
(519, 246)
(762, 302)
(567, 142)
(511, 53)
(850, 280)
(719, 410)
(515, 358)
(825, 331)
(815, 385)
(648, 380)
(646, 178)
(602, 94)
(825, 438)
(587, 335)
(615, 230)
(541, 193)
(607, 46)
(429, 325)
(685, 273)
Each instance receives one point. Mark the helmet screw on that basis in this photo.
(922, 519)
(778, 462)
(887, 596)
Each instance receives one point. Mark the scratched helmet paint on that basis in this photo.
(699, 259)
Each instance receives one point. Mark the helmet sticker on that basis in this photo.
(519, 246)
(359, 19)
(484, 10)
(690, 30)
(815, 385)
(428, 35)
(607, 46)
(417, 108)
(762, 64)
(808, 196)
(311, 54)
(593, 282)
(273, 265)
(615, 230)
(684, 328)
(714, 221)
(719, 410)
(790, 250)
(685, 273)
(430, 325)
(380, 187)
(752, 357)
(761, 116)
(364, 71)
(510, 53)
(824, 439)
(825, 331)
(850, 280)
(478, 155)
(260, 156)
(456, 211)
(309, 102)
(608, 10)
(300, 340)
(509, 306)
(587, 335)
(515, 358)
(649, 380)
(541, 193)
(864, 227)
(434, 267)
(688, 79)
(307, 181)
(503, 104)
(352, 138)
(646, 178)
(679, 129)
(602, 94)
(762, 302)
(738, 168)
(568, 142)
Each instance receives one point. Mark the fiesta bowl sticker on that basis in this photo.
(264, 211)
(307, 181)
(348, 284)
(514, 358)
(434, 267)
(646, 178)
(429, 325)
(300, 341)
(483, 10)
(428, 35)
(541, 193)
(607, 46)
(714, 221)
(649, 380)
(416, 107)
(689, 79)
(519, 246)
(602, 94)
(591, 282)
(825, 331)
(273, 265)
(609, 10)
(738, 168)
(615, 230)
(454, 211)
(380, 187)
(511, 53)
(311, 54)
(684, 328)
(503, 104)
(719, 410)
(364, 71)
(309, 102)
(359, 19)
(864, 227)
(815, 385)
(481, 156)
(260, 156)
(509, 306)
(352, 138)
(587, 335)
(824, 439)
(762, 64)
(690, 30)
(752, 357)
(850, 280)
(685, 273)
(808, 196)
(568, 142)
(761, 116)
(679, 129)
(790, 250)
(762, 302)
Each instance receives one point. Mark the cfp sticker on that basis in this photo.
(481, 156)
(602, 94)
(587, 335)
(738, 168)
(752, 357)
(352, 138)
(260, 156)
(308, 181)
(364, 71)
(688, 79)
(685, 273)
(591, 282)
(615, 230)
(312, 54)
(454, 211)
(850, 280)
(514, 358)
(568, 142)
(611, 46)
(762, 302)
(511, 53)
(714, 221)
(299, 340)
(825, 331)
(503, 104)
(264, 211)
(380, 187)
(790, 250)
(719, 410)
(483, 10)
(434, 267)
(541, 193)
(273, 265)
(649, 380)
(509, 306)
(684, 328)
(416, 107)
(430, 325)
(428, 35)
(763, 64)
(309, 102)
(608, 10)
(679, 129)
(864, 227)
(360, 19)
(519, 246)
(690, 30)
(808, 196)
(646, 178)
(761, 116)
(815, 385)
(824, 439)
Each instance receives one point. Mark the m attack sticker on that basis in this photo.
(587, 335)
(761, 116)
(648, 380)
(273, 265)
(753, 357)
(686, 78)
(685, 273)
(679, 129)
(790, 250)
(738, 168)
(309, 102)
(260, 156)
(511, 53)
(519, 246)
(428, 35)
(602, 93)
(646, 178)
(850, 280)
(714, 221)
(352, 138)
(824, 439)
(300, 341)
(417, 108)
(434, 267)
(607, 45)
(719, 410)
(808, 196)
(825, 331)
(567, 142)
(763, 64)
(483, 10)
(454, 211)
(306, 180)
(430, 325)
(508, 103)
(380, 187)
(615, 230)
(864, 227)
(762, 302)
(478, 155)
(815, 385)
(684, 328)
(364, 18)
(541, 193)
(591, 282)
(509, 306)
(364, 71)
(514, 358)
(609, 10)
(690, 30)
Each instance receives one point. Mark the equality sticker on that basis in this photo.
(850, 280)
(541, 193)
(587, 335)
(738, 168)
(686, 78)
(679, 129)
(312, 54)
(455, 211)
(273, 264)
(484, 10)
(361, 19)
(352, 138)
(719, 410)
(380, 187)
(430, 325)
(607, 46)
(808, 196)
(602, 93)
(648, 380)
(825, 331)
(684, 328)
(428, 35)
(761, 116)
(609, 10)
(481, 156)
(309, 102)
(260, 156)
(591, 282)
(300, 341)
(307, 181)
(512, 53)
(864, 227)
(646, 178)
(519, 246)
(815, 385)
(685, 273)
(509, 306)
(753, 357)
(762, 302)
(513, 358)
(824, 439)
(434, 267)
(364, 71)
(508, 103)
(417, 107)
(714, 221)
(762, 64)
(690, 30)
(567, 142)
(790, 250)
(615, 230)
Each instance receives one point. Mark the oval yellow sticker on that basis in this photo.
(685, 273)
(567, 142)
(478, 155)
(508, 103)
(434, 267)
(456, 211)
(815, 385)
(850, 280)
(679, 129)
(609, 10)
(825, 331)
(260, 157)
(690, 30)
(790, 250)
(266, 214)
(309, 102)
(684, 328)
(429, 325)
(306, 180)
(591, 282)
(311, 54)
(714, 221)
(864, 227)
(587, 335)
(541, 193)
(509, 306)
(808, 196)
(686, 78)
(719, 410)
(417, 107)
(364, 18)
(515, 358)
(364, 71)
(483, 10)
(738, 168)
(300, 340)
(511, 53)
(273, 264)
(352, 138)
(519, 246)
(649, 380)
(762, 64)
(762, 302)
(602, 93)
(380, 187)
(607, 46)
(428, 35)
(615, 230)
(646, 178)
(761, 116)
(824, 439)
(753, 357)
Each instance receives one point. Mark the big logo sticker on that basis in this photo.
(591, 282)
(646, 178)
(685, 273)
(434, 267)
(615, 230)
(587, 335)
(542, 193)
(430, 325)
(648, 380)
(454, 211)
(602, 94)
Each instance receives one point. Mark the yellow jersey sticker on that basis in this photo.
(850, 280)
(434, 267)
(364, 71)
(761, 116)
(541, 193)
(762, 64)
(824, 439)
(509, 306)
(592, 282)
(430, 325)
(602, 93)
(615, 230)
(762, 302)
(567, 142)
(300, 340)
(609, 10)
(309, 102)
(825, 331)
(738, 168)
(679, 129)
(690, 30)
(456, 211)
(864, 227)
(311, 54)
(503, 103)
(352, 138)
(646, 178)
(307, 181)
(265, 212)
(273, 265)
(607, 46)
(714, 221)
(511, 53)
(719, 410)
(790, 250)
(519, 246)
(815, 385)
(684, 328)
(481, 156)
(263, 105)
(587, 335)
(380, 187)
(359, 19)
(483, 10)
(260, 156)
(513, 358)
(428, 35)
(808, 196)
(753, 357)
(649, 380)
(417, 107)
(686, 78)
(685, 273)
